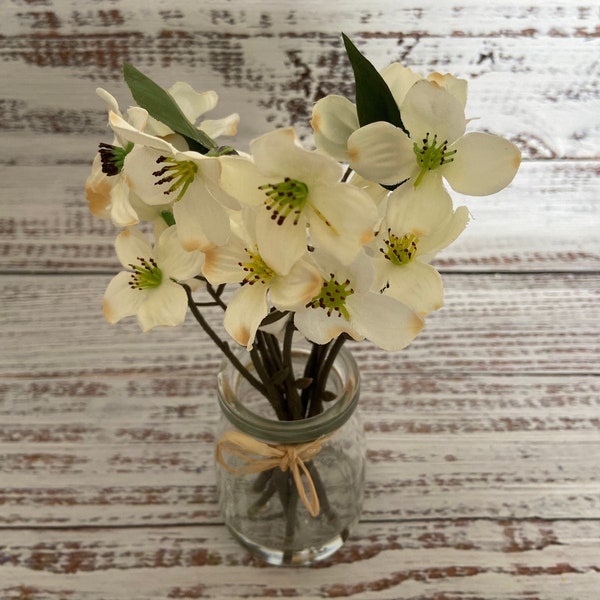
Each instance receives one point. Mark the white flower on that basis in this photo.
(149, 289)
(262, 286)
(346, 304)
(335, 118)
(157, 172)
(106, 187)
(301, 200)
(436, 145)
(419, 223)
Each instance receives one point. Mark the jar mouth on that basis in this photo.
(241, 403)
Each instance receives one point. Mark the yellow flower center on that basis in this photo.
(180, 173)
(288, 197)
(431, 155)
(400, 250)
(256, 268)
(145, 275)
(332, 297)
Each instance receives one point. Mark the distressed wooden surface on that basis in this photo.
(483, 436)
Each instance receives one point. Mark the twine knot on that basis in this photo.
(258, 456)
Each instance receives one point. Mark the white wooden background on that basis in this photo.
(483, 436)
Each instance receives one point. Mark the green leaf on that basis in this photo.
(160, 105)
(374, 100)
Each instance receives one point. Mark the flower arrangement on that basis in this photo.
(320, 246)
(328, 244)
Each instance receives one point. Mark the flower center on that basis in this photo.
(256, 269)
(284, 198)
(145, 275)
(400, 250)
(113, 157)
(333, 297)
(179, 173)
(431, 155)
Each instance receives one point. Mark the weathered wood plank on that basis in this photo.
(546, 220)
(89, 450)
(462, 560)
(531, 65)
(510, 323)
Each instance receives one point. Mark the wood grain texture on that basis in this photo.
(491, 323)
(483, 436)
(462, 560)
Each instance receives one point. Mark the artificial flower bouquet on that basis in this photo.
(325, 245)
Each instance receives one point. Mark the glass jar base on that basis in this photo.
(292, 558)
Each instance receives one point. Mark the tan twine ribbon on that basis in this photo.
(258, 456)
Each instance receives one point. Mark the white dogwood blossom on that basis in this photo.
(302, 201)
(150, 287)
(262, 287)
(347, 304)
(106, 187)
(419, 223)
(433, 144)
(159, 173)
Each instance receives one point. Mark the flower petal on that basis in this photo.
(418, 210)
(165, 305)
(121, 211)
(215, 128)
(201, 220)
(120, 300)
(128, 132)
(241, 179)
(97, 190)
(277, 155)
(245, 312)
(382, 153)
(173, 260)
(342, 219)
(280, 246)
(457, 87)
(417, 285)
(222, 263)
(483, 164)
(193, 103)
(430, 109)
(394, 332)
(399, 79)
(318, 327)
(334, 119)
(300, 285)
(445, 234)
(131, 245)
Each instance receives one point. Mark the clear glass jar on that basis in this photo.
(263, 510)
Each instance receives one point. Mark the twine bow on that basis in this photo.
(258, 457)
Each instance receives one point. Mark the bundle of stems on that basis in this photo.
(292, 397)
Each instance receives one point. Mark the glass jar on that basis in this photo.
(279, 517)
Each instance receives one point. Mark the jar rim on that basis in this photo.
(346, 375)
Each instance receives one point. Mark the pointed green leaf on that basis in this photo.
(374, 100)
(160, 105)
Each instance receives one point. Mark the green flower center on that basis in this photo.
(179, 173)
(332, 297)
(431, 155)
(145, 275)
(113, 157)
(256, 268)
(400, 250)
(285, 198)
